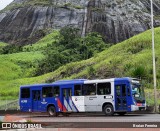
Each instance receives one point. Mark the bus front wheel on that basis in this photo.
(52, 111)
(108, 110)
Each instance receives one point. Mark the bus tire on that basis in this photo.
(121, 113)
(52, 111)
(108, 110)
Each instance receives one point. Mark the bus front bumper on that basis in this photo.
(137, 108)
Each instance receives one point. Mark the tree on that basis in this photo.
(70, 48)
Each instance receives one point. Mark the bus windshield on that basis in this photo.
(138, 93)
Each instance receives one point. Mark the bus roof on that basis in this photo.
(36, 85)
(81, 81)
(98, 80)
(60, 82)
(109, 80)
(74, 81)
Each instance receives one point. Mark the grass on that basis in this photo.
(24, 64)
(120, 60)
(19, 65)
(18, 68)
(2, 44)
(44, 42)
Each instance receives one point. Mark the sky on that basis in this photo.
(4, 3)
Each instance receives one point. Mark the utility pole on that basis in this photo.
(154, 62)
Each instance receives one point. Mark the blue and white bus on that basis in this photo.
(116, 95)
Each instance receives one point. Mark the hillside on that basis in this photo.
(129, 58)
(27, 21)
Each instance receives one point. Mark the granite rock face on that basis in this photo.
(116, 20)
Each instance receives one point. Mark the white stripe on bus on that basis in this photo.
(67, 105)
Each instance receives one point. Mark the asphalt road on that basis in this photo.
(93, 120)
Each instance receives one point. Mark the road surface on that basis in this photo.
(95, 118)
(95, 121)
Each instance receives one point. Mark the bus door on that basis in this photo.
(90, 97)
(66, 99)
(121, 97)
(36, 100)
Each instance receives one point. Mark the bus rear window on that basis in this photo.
(25, 93)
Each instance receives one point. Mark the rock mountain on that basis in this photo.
(25, 21)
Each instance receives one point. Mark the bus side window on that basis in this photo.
(36, 95)
(124, 90)
(118, 90)
(47, 92)
(77, 90)
(89, 89)
(104, 88)
(56, 91)
(25, 93)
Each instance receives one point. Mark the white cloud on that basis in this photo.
(4, 3)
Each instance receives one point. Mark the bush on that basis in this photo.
(70, 48)
(9, 49)
(139, 71)
(91, 71)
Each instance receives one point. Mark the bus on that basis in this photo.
(110, 96)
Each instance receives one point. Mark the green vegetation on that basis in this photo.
(132, 57)
(100, 10)
(9, 49)
(70, 5)
(2, 45)
(42, 44)
(70, 48)
(39, 2)
(19, 65)
(29, 3)
(54, 50)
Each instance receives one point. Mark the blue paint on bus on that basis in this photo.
(35, 98)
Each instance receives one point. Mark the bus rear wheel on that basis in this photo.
(52, 111)
(108, 110)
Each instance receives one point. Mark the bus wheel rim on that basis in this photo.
(51, 111)
(108, 110)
